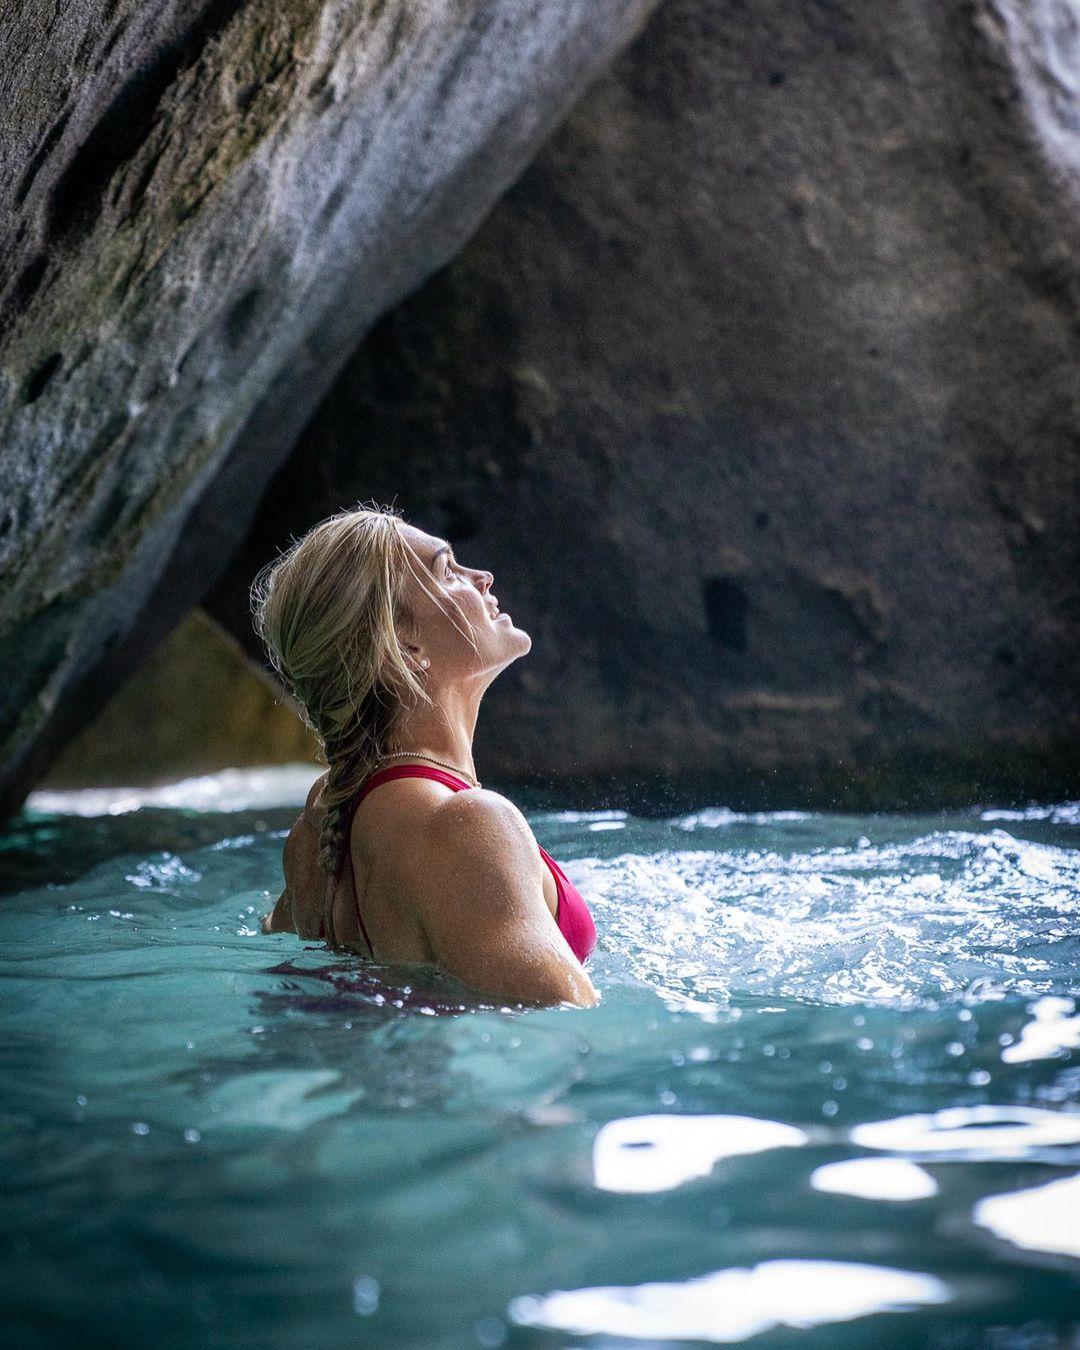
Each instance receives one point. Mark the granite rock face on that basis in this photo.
(204, 207)
(759, 393)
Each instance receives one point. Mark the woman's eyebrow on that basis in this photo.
(438, 554)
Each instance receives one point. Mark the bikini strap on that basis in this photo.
(450, 780)
(375, 780)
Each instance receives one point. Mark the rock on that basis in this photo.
(205, 207)
(758, 393)
(196, 706)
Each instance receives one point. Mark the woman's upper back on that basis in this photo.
(433, 875)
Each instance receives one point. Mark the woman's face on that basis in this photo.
(468, 603)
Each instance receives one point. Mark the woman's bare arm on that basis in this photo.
(294, 911)
(476, 874)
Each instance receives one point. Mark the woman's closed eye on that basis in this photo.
(462, 572)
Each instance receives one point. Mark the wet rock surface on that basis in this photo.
(205, 207)
(758, 394)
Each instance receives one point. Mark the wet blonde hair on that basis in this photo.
(327, 611)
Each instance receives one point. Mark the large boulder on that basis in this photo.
(196, 706)
(759, 394)
(205, 207)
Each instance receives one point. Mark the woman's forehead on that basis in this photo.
(424, 545)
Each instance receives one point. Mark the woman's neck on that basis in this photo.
(446, 730)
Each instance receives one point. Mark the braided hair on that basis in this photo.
(327, 611)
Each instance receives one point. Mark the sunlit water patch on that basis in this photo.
(831, 1096)
(734, 1305)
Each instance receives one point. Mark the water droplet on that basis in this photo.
(365, 1294)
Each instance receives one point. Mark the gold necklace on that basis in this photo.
(423, 754)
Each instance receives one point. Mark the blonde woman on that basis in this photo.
(388, 642)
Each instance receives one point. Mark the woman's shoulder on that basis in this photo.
(480, 804)
(477, 826)
(315, 791)
(296, 906)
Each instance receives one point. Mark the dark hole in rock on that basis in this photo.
(127, 123)
(332, 205)
(106, 519)
(761, 519)
(42, 153)
(725, 612)
(240, 317)
(26, 285)
(1006, 656)
(35, 385)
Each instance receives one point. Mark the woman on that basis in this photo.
(388, 644)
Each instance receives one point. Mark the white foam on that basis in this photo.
(1053, 1032)
(276, 785)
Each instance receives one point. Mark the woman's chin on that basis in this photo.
(519, 643)
(505, 621)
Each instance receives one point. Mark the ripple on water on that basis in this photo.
(896, 924)
(734, 1304)
(1041, 1218)
(830, 1039)
(974, 1133)
(644, 1154)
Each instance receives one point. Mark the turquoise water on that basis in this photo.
(831, 1097)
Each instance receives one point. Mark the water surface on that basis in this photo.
(831, 1097)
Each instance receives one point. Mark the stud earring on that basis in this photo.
(425, 663)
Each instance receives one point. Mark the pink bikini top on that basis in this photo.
(572, 914)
